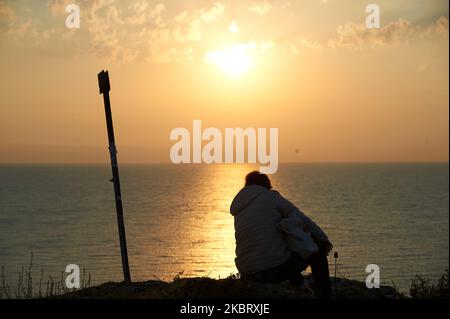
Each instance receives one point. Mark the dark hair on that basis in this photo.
(257, 178)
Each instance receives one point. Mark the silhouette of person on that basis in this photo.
(275, 241)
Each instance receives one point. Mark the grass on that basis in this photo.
(421, 288)
(25, 288)
(181, 288)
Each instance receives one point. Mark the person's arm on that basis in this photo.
(286, 208)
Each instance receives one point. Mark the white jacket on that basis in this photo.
(260, 241)
(298, 237)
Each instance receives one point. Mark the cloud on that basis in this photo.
(357, 35)
(139, 6)
(7, 15)
(156, 13)
(261, 8)
(266, 46)
(354, 35)
(173, 43)
(6, 11)
(58, 7)
(212, 14)
(22, 30)
(118, 32)
(303, 43)
(121, 33)
(142, 13)
(106, 38)
(190, 23)
(310, 44)
(440, 27)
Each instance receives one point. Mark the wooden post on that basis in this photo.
(103, 82)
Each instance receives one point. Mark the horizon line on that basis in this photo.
(198, 164)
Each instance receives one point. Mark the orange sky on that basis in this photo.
(336, 91)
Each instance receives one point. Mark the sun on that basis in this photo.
(235, 60)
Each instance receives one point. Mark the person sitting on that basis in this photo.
(275, 241)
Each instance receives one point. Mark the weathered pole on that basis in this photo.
(103, 82)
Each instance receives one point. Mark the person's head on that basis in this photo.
(257, 178)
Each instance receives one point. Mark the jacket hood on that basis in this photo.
(245, 197)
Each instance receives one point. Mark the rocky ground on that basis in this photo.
(229, 288)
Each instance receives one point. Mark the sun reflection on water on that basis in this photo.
(202, 231)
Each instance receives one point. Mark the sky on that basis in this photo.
(336, 90)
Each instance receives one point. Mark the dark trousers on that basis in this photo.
(291, 270)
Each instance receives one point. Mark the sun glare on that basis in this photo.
(234, 61)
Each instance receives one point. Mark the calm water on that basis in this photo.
(393, 215)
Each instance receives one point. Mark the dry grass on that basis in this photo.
(26, 289)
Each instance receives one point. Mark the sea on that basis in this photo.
(177, 218)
